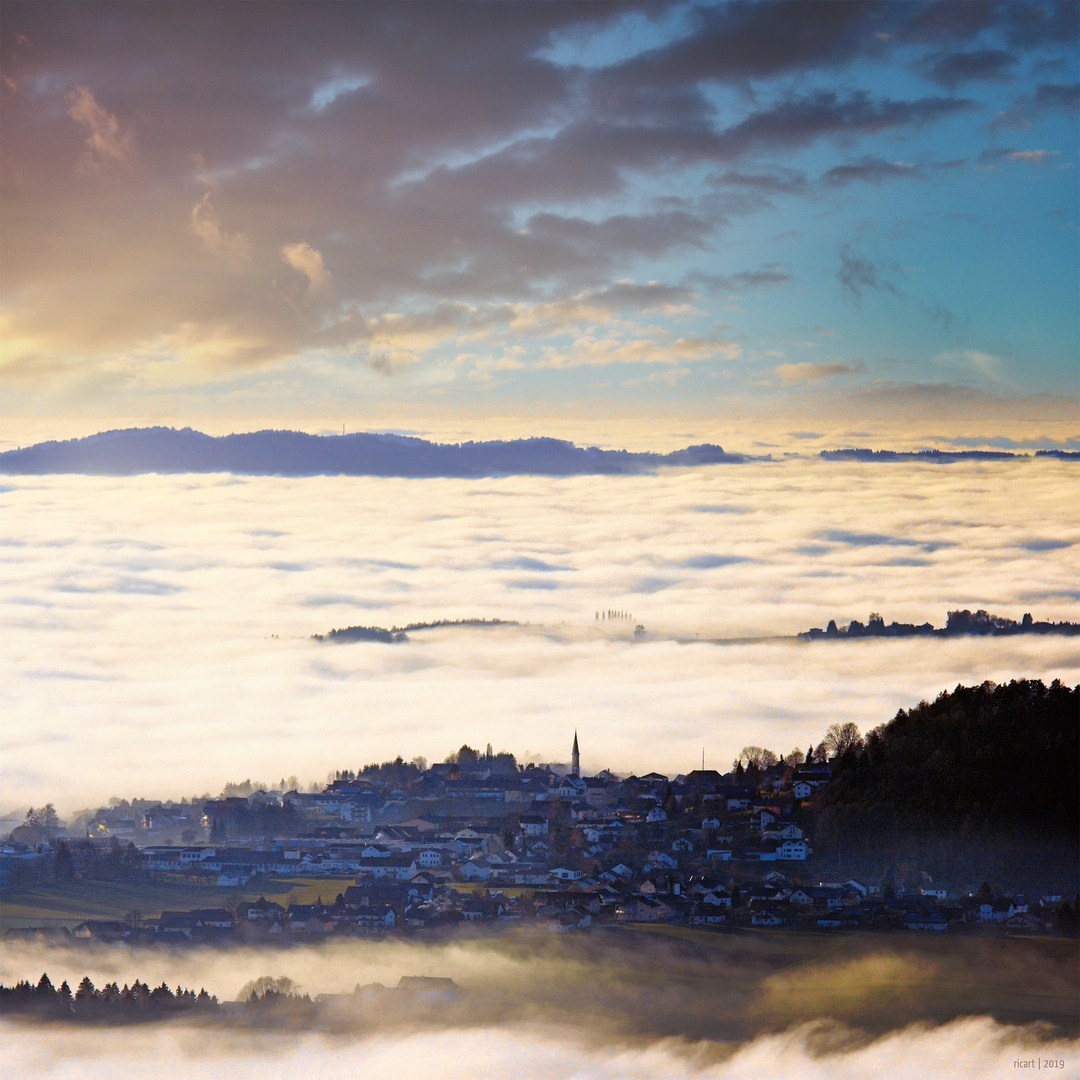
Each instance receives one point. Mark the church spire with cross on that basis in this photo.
(575, 758)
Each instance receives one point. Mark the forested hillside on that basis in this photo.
(980, 765)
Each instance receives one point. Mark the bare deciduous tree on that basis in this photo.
(839, 739)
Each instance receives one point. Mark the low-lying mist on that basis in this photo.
(625, 985)
(159, 627)
(972, 1049)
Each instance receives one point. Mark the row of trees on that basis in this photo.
(111, 1004)
(839, 740)
(469, 759)
(234, 817)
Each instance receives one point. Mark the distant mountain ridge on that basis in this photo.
(940, 457)
(132, 451)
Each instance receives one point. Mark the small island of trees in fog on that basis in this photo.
(957, 624)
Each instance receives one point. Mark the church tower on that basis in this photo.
(575, 758)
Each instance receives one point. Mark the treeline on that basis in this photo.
(942, 457)
(957, 624)
(397, 634)
(111, 1004)
(989, 761)
(439, 623)
(363, 633)
(236, 817)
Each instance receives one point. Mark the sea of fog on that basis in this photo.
(973, 1049)
(157, 629)
(537, 1007)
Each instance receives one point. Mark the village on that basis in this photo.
(480, 840)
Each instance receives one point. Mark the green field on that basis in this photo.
(70, 903)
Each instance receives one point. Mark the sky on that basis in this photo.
(531, 218)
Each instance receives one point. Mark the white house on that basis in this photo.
(766, 918)
(792, 850)
(564, 873)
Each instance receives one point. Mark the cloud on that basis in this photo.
(799, 121)
(232, 248)
(422, 556)
(806, 372)
(940, 316)
(858, 273)
(1004, 442)
(1065, 97)
(595, 306)
(751, 279)
(1036, 157)
(403, 165)
(600, 352)
(870, 170)
(992, 368)
(303, 258)
(107, 144)
(533, 1012)
(1054, 97)
(1032, 157)
(951, 68)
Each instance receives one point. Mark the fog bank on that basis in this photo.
(975, 1049)
(158, 629)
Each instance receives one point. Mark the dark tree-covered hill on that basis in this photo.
(982, 761)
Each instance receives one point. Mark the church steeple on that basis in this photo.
(575, 758)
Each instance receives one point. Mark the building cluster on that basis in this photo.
(483, 839)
